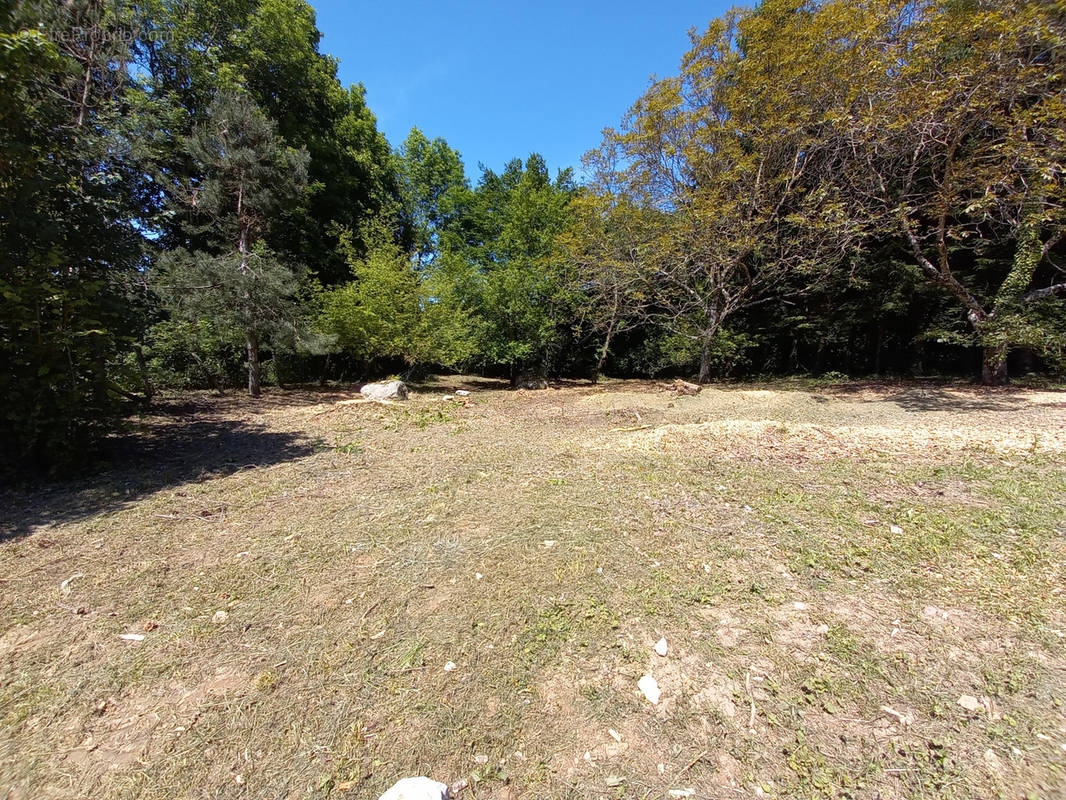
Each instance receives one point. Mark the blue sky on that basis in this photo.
(504, 79)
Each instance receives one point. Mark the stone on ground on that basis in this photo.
(417, 789)
(389, 390)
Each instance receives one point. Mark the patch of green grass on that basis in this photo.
(423, 417)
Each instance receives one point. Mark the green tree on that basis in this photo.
(728, 174)
(957, 149)
(501, 265)
(432, 185)
(270, 49)
(605, 253)
(236, 280)
(394, 309)
(69, 254)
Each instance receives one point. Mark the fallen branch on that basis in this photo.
(692, 763)
(751, 698)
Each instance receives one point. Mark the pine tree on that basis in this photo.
(247, 176)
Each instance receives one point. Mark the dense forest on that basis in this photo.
(189, 198)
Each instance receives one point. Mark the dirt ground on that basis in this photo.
(861, 588)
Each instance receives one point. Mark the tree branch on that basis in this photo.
(1047, 291)
(1050, 243)
(945, 279)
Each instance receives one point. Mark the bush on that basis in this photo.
(194, 355)
(675, 354)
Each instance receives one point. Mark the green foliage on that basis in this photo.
(390, 310)
(432, 185)
(795, 135)
(68, 250)
(377, 314)
(269, 48)
(668, 353)
(236, 280)
(503, 267)
(251, 291)
(609, 271)
(198, 354)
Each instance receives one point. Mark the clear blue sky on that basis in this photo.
(504, 79)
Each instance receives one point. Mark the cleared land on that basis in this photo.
(834, 570)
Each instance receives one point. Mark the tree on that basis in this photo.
(604, 253)
(394, 309)
(69, 253)
(499, 263)
(958, 150)
(269, 49)
(432, 182)
(247, 174)
(709, 152)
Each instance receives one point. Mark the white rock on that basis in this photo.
(970, 703)
(462, 392)
(895, 529)
(650, 687)
(903, 719)
(417, 789)
(661, 646)
(64, 587)
(549, 543)
(220, 617)
(799, 606)
(132, 637)
(450, 666)
(390, 390)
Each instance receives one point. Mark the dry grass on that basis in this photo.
(833, 569)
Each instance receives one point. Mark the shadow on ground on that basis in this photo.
(166, 450)
(933, 397)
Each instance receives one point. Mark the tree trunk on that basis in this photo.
(706, 351)
(146, 381)
(878, 347)
(794, 357)
(603, 352)
(86, 83)
(1007, 311)
(325, 372)
(253, 363)
(994, 366)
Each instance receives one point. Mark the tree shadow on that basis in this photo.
(169, 449)
(927, 397)
(447, 384)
